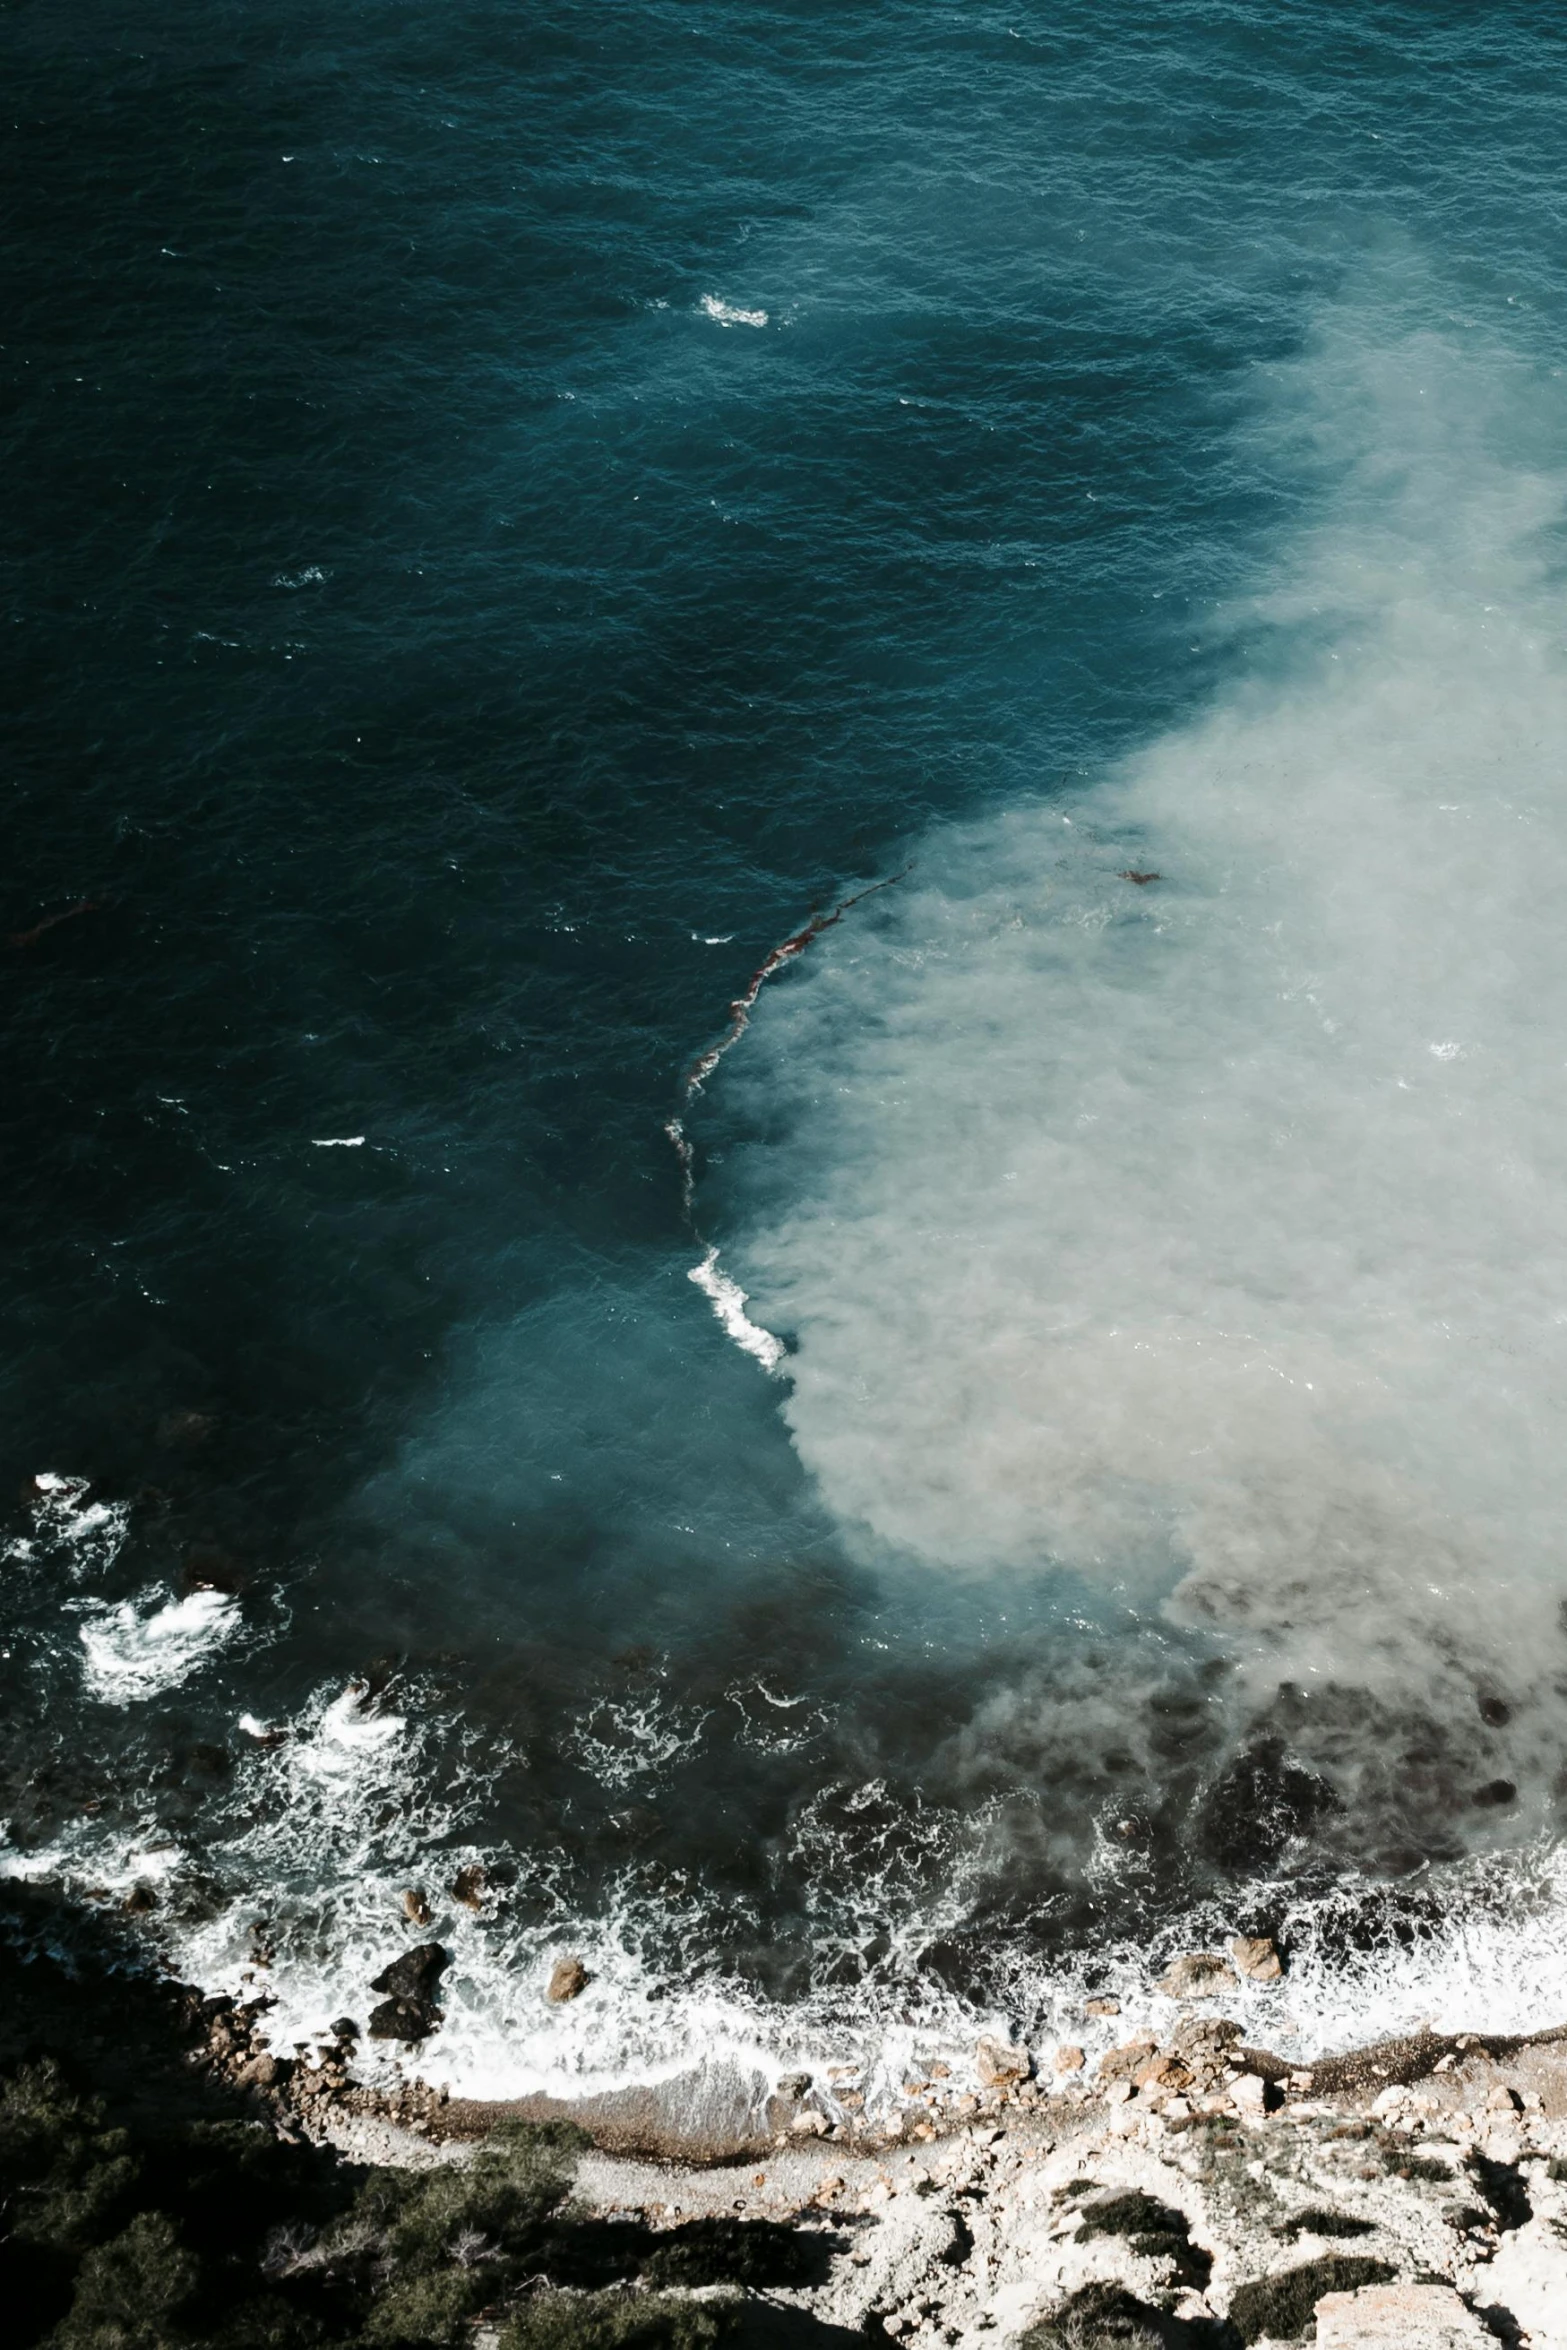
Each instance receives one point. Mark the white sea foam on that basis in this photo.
(728, 315)
(623, 1740)
(138, 1648)
(70, 1527)
(729, 1303)
(348, 1733)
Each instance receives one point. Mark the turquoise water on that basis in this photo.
(515, 513)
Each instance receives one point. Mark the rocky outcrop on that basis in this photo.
(1256, 1958)
(569, 1978)
(1200, 1974)
(998, 2064)
(408, 2012)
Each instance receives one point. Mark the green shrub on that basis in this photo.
(429, 2306)
(1285, 2306)
(721, 2251)
(618, 2321)
(1317, 2221)
(1099, 2317)
(1156, 2231)
(217, 2235)
(65, 2175)
(130, 2292)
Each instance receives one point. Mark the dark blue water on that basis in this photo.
(512, 511)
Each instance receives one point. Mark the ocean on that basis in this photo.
(787, 1013)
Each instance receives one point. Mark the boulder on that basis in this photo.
(262, 2072)
(415, 1974)
(568, 1979)
(1256, 1958)
(1249, 2094)
(1200, 1974)
(408, 2012)
(403, 2019)
(470, 1885)
(416, 1907)
(1127, 2061)
(1162, 2075)
(1101, 2007)
(1068, 2059)
(999, 2064)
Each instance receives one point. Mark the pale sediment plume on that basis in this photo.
(1172, 1185)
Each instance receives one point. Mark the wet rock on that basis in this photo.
(407, 2020)
(1204, 2036)
(1069, 2059)
(345, 2028)
(204, 1568)
(569, 1978)
(470, 1885)
(1200, 1974)
(795, 2085)
(1256, 1958)
(409, 2012)
(998, 2064)
(416, 1907)
(262, 1733)
(415, 1973)
(1101, 2007)
(139, 1900)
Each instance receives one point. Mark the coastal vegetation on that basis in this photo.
(219, 2234)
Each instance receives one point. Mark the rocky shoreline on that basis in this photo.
(1186, 2188)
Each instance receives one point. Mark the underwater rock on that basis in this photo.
(1259, 1805)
